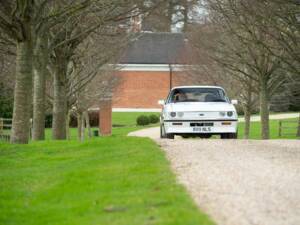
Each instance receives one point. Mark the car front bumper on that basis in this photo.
(200, 126)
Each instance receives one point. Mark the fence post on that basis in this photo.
(1, 126)
(280, 128)
(298, 128)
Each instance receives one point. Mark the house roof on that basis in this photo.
(155, 48)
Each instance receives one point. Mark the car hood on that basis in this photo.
(199, 107)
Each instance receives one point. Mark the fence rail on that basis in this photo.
(287, 125)
(5, 124)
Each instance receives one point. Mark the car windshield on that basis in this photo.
(197, 95)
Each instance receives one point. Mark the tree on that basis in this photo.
(93, 74)
(7, 58)
(66, 40)
(170, 15)
(19, 22)
(27, 24)
(206, 41)
(16, 20)
(242, 49)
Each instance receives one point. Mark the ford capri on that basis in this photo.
(201, 111)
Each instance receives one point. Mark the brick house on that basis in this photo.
(149, 67)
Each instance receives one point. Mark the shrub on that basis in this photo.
(153, 118)
(142, 120)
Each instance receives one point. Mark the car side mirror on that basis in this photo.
(161, 102)
(234, 102)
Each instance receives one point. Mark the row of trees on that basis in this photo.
(172, 16)
(255, 46)
(61, 45)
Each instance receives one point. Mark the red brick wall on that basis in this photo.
(141, 89)
(105, 118)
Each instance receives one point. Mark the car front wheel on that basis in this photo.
(163, 133)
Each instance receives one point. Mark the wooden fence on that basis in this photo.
(288, 127)
(5, 128)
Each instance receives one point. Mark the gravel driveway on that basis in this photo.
(238, 182)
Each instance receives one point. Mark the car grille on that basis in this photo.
(201, 124)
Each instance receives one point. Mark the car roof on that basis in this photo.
(205, 86)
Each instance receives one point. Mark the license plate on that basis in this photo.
(202, 129)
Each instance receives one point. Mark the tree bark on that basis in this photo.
(170, 15)
(22, 93)
(82, 135)
(59, 104)
(87, 122)
(68, 125)
(247, 123)
(79, 124)
(39, 96)
(247, 107)
(185, 15)
(264, 109)
(298, 132)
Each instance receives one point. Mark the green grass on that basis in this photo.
(128, 119)
(113, 180)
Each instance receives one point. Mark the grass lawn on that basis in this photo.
(114, 180)
(274, 130)
(129, 119)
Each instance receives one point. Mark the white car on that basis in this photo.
(200, 111)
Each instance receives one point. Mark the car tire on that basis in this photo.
(229, 136)
(163, 133)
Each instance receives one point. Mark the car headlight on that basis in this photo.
(222, 114)
(230, 114)
(181, 114)
(173, 114)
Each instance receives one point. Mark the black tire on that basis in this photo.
(163, 133)
(229, 136)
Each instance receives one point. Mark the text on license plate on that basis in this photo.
(201, 129)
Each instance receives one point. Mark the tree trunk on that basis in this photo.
(247, 123)
(298, 132)
(79, 124)
(22, 93)
(68, 125)
(264, 110)
(59, 104)
(87, 122)
(82, 128)
(170, 16)
(247, 107)
(185, 15)
(39, 96)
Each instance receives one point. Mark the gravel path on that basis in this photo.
(238, 182)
